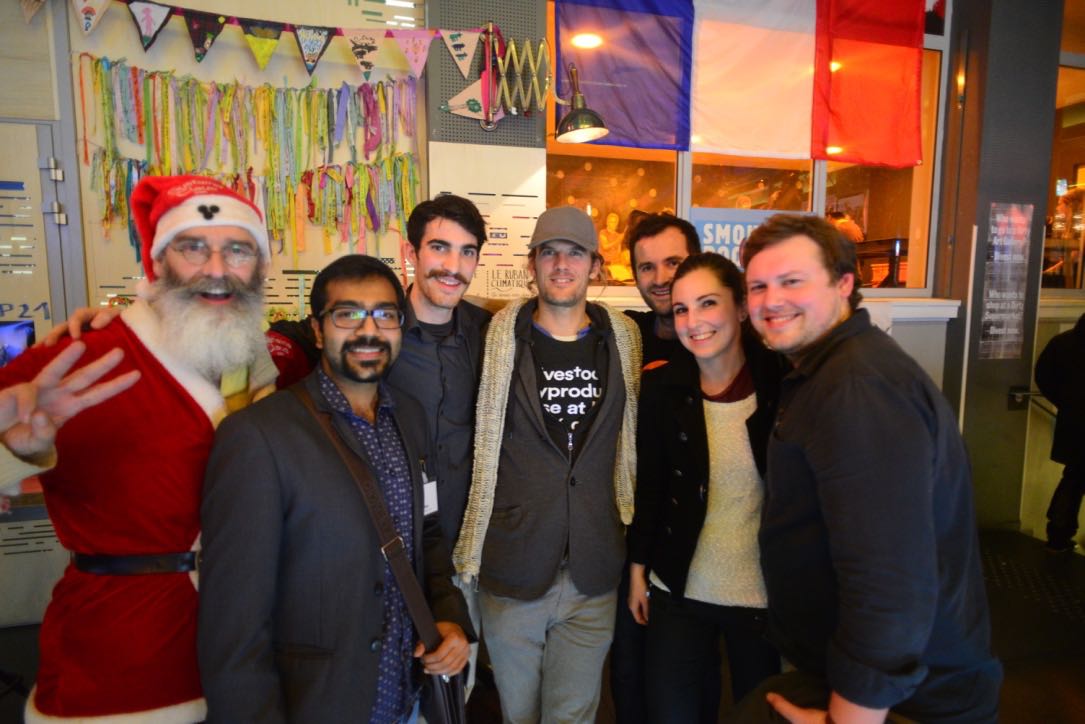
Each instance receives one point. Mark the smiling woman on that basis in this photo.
(703, 422)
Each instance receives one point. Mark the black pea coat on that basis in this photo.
(672, 458)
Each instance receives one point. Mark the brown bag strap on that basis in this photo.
(392, 546)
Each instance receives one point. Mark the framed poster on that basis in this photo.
(1005, 278)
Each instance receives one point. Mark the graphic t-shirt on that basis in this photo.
(570, 377)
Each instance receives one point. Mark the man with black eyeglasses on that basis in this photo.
(301, 618)
(440, 361)
(119, 636)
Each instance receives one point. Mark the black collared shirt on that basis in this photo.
(443, 374)
(868, 534)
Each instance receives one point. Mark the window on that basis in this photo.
(1073, 27)
(736, 182)
(888, 210)
(1064, 237)
(610, 184)
(1064, 232)
(891, 206)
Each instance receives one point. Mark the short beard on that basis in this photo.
(210, 339)
(367, 373)
(568, 302)
(655, 310)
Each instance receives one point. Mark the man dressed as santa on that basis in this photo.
(119, 636)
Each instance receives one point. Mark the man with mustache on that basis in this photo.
(301, 618)
(119, 636)
(441, 359)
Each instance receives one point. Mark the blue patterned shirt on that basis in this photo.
(387, 456)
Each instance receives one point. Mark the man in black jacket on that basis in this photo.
(301, 619)
(1059, 376)
(868, 535)
(657, 243)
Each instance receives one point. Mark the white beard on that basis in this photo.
(211, 339)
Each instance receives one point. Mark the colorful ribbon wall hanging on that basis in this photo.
(271, 144)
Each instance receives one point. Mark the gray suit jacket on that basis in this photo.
(292, 577)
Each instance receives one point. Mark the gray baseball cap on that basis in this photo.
(565, 223)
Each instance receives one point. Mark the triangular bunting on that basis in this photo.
(262, 37)
(149, 18)
(203, 28)
(415, 46)
(468, 102)
(30, 8)
(462, 44)
(364, 44)
(312, 42)
(89, 13)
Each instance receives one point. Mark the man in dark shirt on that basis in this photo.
(868, 535)
(441, 359)
(442, 342)
(1058, 375)
(658, 243)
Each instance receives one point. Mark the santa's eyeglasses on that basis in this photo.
(235, 254)
(354, 317)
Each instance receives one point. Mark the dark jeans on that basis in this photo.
(683, 640)
(627, 660)
(1065, 506)
(627, 667)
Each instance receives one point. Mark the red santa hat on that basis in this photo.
(164, 206)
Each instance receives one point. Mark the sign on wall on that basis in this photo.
(1005, 277)
(508, 184)
(724, 230)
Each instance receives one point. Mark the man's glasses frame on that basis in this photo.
(235, 254)
(387, 317)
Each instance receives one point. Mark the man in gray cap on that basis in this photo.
(552, 487)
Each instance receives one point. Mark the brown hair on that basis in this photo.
(652, 224)
(837, 251)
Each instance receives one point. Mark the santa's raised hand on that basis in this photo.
(32, 412)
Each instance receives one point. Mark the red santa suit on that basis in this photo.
(127, 482)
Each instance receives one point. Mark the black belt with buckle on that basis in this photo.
(135, 565)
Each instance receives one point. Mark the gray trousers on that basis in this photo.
(548, 653)
(470, 595)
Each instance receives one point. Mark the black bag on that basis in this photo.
(442, 699)
(442, 696)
